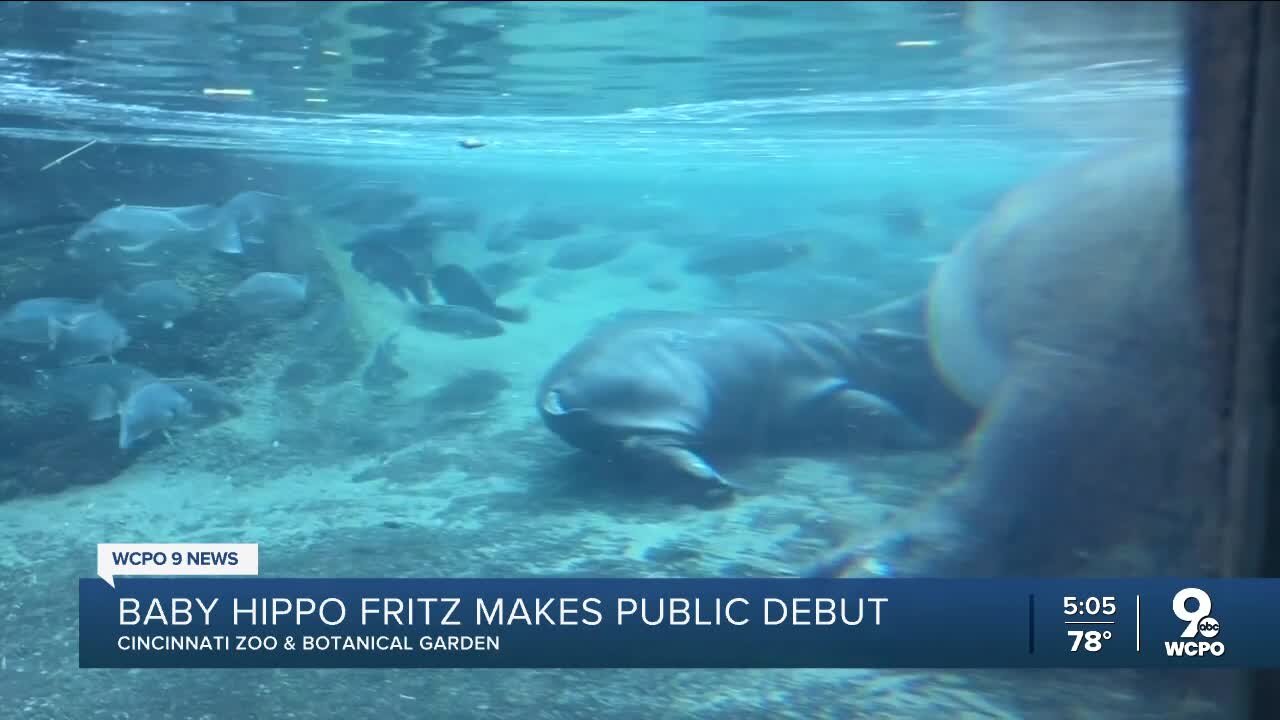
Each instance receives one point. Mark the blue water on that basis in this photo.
(882, 131)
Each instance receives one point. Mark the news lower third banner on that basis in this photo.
(258, 622)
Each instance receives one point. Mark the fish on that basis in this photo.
(469, 391)
(100, 386)
(390, 202)
(444, 213)
(270, 293)
(543, 226)
(369, 202)
(151, 407)
(86, 337)
(817, 295)
(412, 234)
(503, 276)
(511, 235)
(457, 320)
(255, 206)
(905, 221)
(459, 287)
(254, 211)
(471, 143)
(384, 265)
(209, 403)
(144, 234)
(146, 404)
(503, 238)
(56, 227)
(158, 302)
(661, 284)
(747, 256)
(637, 265)
(29, 321)
(589, 252)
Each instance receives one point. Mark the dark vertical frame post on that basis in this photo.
(1258, 449)
(1233, 146)
(1255, 470)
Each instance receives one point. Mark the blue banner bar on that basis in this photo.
(750, 623)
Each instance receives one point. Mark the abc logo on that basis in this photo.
(1208, 628)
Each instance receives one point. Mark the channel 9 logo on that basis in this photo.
(1192, 606)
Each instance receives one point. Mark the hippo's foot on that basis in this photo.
(709, 487)
(932, 538)
(923, 544)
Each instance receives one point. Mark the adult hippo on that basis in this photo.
(667, 388)
(1071, 320)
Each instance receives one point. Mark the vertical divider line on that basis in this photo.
(1031, 624)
